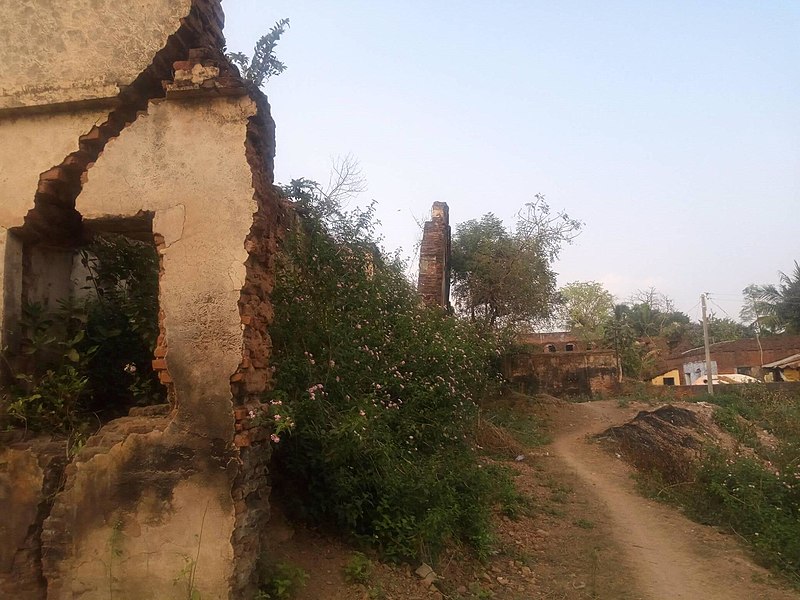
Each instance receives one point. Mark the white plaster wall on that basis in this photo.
(185, 161)
(48, 275)
(158, 549)
(31, 145)
(66, 50)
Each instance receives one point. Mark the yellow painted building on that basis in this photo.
(669, 378)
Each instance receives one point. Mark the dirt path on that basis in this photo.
(668, 556)
(586, 535)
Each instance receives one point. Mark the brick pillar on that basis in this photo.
(434, 258)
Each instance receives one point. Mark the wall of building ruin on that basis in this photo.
(81, 50)
(129, 117)
(577, 373)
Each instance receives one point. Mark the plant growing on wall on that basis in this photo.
(263, 64)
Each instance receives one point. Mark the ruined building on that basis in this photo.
(126, 117)
(434, 258)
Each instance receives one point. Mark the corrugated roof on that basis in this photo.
(791, 362)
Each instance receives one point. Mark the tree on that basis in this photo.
(774, 308)
(587, 306)
(503, 278)
(264, 64)
(619, 334)
(654, 299)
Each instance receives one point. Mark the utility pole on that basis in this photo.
(709, 373)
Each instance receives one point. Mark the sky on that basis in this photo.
(670, 128)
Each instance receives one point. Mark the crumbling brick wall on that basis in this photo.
(576, 373)
(170, 501)
(434, 258)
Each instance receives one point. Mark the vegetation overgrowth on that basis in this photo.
(381, 389)
(755, 495)
(88, 359)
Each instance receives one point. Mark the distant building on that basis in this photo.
(745, 357)
(555, 341)
(672, 377)
(785, 369)
(696, 373)
(560, 363)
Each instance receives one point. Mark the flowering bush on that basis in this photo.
(382, 391)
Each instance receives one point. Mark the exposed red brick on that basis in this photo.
(434, 258)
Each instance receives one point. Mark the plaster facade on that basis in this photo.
(576, 373)
(81, 50)
(129, 118)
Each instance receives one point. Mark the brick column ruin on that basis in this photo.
(434, 258)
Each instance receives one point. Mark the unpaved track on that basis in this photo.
(669, 556)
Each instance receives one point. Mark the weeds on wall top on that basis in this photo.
(382, 391)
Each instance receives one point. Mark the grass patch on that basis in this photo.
(281, 581)
(522, 425)
(757, 497)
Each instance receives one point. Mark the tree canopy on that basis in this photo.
(587, 306)
(774, 308)
(503, 278)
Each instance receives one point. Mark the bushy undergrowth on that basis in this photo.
(381, 389)
(755, 495)
(88, 358)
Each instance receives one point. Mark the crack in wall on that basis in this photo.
(53, 217)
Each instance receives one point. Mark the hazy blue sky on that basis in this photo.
(672, 129)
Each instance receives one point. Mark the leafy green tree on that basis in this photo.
(587, 307)
(759, 314)
(504, 278)
(263, 64)
(636, 354)
(725, 329)
(775, 308)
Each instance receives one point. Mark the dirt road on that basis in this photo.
(588, 535)
(668, 556)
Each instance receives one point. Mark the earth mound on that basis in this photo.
(668, 440)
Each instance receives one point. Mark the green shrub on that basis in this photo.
(89, 358)
(759, 503)
(382, 391)
(281, 581)
(358, 569)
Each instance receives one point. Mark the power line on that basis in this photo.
(719, 307)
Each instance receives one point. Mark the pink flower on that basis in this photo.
(274, 438)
